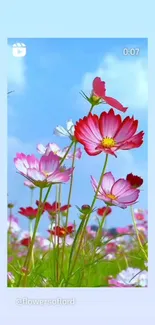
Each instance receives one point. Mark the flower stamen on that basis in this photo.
(108, 142)
(112, 197)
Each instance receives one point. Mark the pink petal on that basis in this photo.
(99, 87)
(32, 161)
(129, 197)
(135, 142)
(60, 177)
(126, 130)
(35, 175)
(115, 103)
(120, 187)
(109, 123)
(20, 166)
(107, 182)
(101, 194)
(49, 163)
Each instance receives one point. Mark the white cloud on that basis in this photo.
(126, 80)
(16, 72)
(16, 145)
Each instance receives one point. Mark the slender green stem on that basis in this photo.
(68, 203)
(98, 237)
(29, 255)
(40, 210)
(91, 109)
(136, 230)
(57, 260)
(64, 157)
(31, 223)
(88, 216)
(126, 261)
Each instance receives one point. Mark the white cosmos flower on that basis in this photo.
(133, 276)
(68, 132)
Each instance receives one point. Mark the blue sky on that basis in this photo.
(47, 82)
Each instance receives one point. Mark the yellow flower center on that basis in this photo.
(111, 196)
(95, 98)
(46, 173)
(108, 142)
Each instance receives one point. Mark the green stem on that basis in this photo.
(58, 251)
(88, 216)
(68, 203)
(31, 224)
(136, 230)
(97, 239)
(40, 210)
(62, 160)
(29, 255)
(91, 109)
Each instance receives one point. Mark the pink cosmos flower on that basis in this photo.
(119, 193)
(42, 172)
(107, 133)
(52, 147)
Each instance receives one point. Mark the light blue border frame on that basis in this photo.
(81, 19)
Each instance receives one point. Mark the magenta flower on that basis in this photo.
(108, 133)
(119, 193)
(42, 172)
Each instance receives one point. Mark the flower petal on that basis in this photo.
(70, 127)
(60, 177)
(35, 175)
(115, 103)
(60, 131)
(49, 163)
(107, 182)
(127, 129)
(41, 148)
(109, 123)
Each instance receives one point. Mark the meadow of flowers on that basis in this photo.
(81, 255)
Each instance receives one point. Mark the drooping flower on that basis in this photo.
(68, 132)
(99, 90)
(118, 193)
(52, 147)
(103, 212)
(62, 231)
(29, 184)
(29, 212)
(42, 172)
(107, 133)
(134, 180)
(54, 208)
(132, 277)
